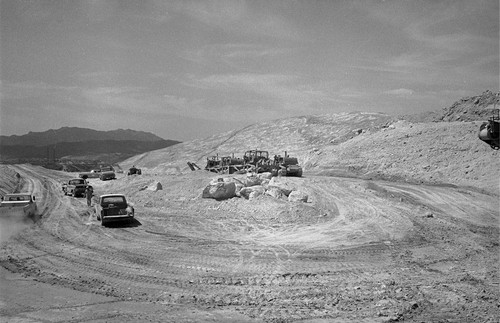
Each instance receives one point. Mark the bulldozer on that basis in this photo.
(287, 166)
(225, 165)
(489, 131)
(258, 161)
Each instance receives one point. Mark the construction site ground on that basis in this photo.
(359, 250)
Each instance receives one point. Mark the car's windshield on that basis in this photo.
(113, 199)
(76, 181)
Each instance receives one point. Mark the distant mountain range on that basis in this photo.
(77, 144)
(75, 134)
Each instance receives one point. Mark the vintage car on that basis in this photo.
(107, 175)
(75, 187)
(114, 207)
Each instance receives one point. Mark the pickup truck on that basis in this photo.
(18, 205)
(75, 187)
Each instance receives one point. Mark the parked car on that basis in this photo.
(75, 187)
(114, 207)
(107, 176)
(94, 173)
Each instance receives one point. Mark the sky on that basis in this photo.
(187, 70)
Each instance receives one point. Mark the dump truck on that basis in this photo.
(18, 205)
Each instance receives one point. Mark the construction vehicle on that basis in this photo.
(489, 131)
(287, 166)
(258, 161)
(223, 165)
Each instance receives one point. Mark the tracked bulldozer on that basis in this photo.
(287, 166)
(258, 161)
(489, 131)
(225, 165)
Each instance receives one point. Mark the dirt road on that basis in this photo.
(358, 251)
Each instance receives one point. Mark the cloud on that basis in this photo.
(400, 92)
(243, 17)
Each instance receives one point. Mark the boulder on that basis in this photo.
(252, 180)
(220, 190)
(156, 186)
(297, 196)
(239, 186)
(282, 184)
(264, 176)
(275, 192)
(252, 191)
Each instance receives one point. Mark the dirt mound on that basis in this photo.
(473, 108)
(366, 145)
(295, 135)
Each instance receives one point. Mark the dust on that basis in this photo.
(9, 227)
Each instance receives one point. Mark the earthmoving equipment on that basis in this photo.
(489, 131)
(288, 166)
(193, 166)
(224, 165)
(258, 161)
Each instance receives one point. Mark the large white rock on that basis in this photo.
(282, 184)
(252, 181)
(297, 196)
(275, 192)
(156, 186)
(220, 190)
(252, 191)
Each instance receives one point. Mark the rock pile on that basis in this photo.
(252, 186)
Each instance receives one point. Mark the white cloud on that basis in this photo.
(400, 92)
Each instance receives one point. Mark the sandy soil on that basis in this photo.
(358, 251)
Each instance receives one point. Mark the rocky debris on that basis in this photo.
(252, 192)
(282, 184)
(275, 192)
(297, 196)
(220, 190)
(156, 186)
(252, 186)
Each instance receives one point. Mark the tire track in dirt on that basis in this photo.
(292, 271)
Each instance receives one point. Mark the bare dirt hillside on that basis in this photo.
(364, 145)
(401, 223)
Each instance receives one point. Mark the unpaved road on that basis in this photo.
(359, 250)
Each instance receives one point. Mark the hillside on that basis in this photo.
(366, 145)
